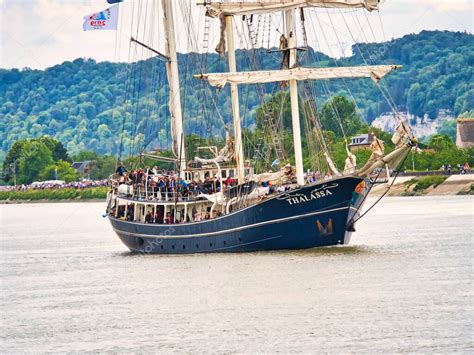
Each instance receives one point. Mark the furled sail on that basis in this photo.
(401, 134)
(377, 147)
(350, 163)
(226, 154)
(231, 8)
(376, 72)
(285, 175)
(331, 165)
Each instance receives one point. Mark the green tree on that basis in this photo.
(339, 111)
(416, 99)
(448, 128)
(12, 160)
(56, 148)
(103, 167)
(85, 155)
(35, 156)
(441, 142)
(64, 169)
(278, 106)
(467, 114)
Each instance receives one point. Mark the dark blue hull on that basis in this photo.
(313, 216)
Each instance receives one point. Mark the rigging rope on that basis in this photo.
(352, 221)
(379, 84)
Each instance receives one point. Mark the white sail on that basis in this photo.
(284, 176)
(376, 72)
(231, 8)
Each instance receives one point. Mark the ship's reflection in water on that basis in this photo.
(404, 284)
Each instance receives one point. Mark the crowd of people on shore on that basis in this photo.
(463, 169)
(56, 185)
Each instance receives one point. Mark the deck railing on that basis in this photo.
(145, 192)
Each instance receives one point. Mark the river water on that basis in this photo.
(404, 285)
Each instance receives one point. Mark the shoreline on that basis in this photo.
(406, 186)
(22, 202)
(54, 195)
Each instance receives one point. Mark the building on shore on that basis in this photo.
(421, 126)
(465, 133)
(83, 167)
(362, 141)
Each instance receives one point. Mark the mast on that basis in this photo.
(239, 152)
(295, 117)
(227, 9)
(173, 79)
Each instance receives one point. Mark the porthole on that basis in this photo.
(141, 241)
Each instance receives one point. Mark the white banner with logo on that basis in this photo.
(104, 20)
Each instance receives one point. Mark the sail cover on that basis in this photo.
(231, 8)
(376, 72)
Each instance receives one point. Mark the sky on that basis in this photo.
(41, 33)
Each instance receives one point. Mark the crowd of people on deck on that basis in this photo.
(170, 217)
(312, 177)
(157, 216)
(153, 183)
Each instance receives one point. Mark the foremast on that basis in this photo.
(173, 79)
(295, 116)
(234, 91)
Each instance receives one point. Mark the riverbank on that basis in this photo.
(437, 185)
(54, 195)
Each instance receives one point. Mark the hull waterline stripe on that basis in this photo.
(220, 249)
(162, 236)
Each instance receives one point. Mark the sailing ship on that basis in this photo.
(262, 211)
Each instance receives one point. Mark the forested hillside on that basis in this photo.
(81, 103)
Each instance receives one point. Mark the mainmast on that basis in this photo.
(228, 9)
(173, 79)
(295, 116)
(239, 151)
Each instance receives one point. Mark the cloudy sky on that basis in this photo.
(42, 33)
